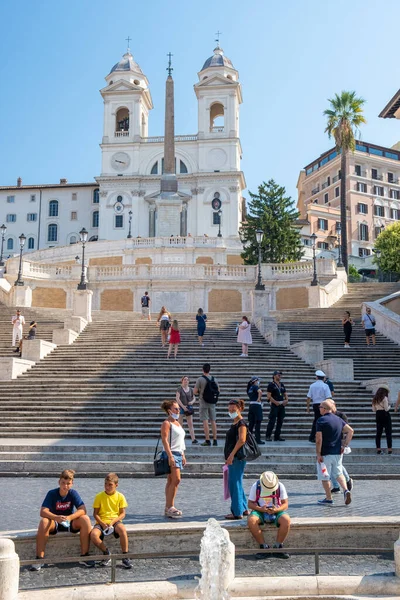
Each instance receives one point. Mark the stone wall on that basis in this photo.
(101, 261)
(204, 260)
(49, 297)
(234, 259)
(224, 301)
(143, 260)
(293, 297)
(393, 305)
(120, 299)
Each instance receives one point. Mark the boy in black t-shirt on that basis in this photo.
(278, 399)
(58, 515)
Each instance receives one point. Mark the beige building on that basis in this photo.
(373, 199)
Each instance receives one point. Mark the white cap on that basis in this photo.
(320, 374)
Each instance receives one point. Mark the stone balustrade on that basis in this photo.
(296, 270)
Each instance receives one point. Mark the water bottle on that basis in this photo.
(324, 470)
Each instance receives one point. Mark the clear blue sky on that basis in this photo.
(291, 55)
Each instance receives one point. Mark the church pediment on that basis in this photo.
(216, 80)
(121, 86)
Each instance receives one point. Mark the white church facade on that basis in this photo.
(122, 201)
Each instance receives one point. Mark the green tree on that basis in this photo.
(354, 275)
(388, 244)
(344, 118)
(272, 211)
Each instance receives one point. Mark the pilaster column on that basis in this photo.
(152, 220)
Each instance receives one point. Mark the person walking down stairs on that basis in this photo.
(381, 408)
(368, 322)
(18, 321)
(347, 323)
(244, 335)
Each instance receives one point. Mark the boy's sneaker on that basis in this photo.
(107, 561)
(36, 567)
(347, 497)
(280, 554)
(206, 443)
(335, 490)
(268, 438)
(349, 484)
(194, 442)
(127, 563)
(261, 555)
(86, 562)
(326, 501)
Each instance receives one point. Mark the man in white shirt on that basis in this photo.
(318, 392)
(18, 321)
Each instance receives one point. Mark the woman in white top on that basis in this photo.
(244, 336)
(173, 439)
(164, 320)
(381, 407)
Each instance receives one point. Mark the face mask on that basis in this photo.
(233, 415)
(174, 415)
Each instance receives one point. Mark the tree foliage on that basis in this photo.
(388, 242)
(344, 119)
(272, 211)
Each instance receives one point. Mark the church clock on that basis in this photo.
(120, 161)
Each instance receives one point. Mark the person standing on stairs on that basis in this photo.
(173, 439)
(18, 321)
(317, 393)
(174, 339)
(244, 336)
(278, 399)
(145, 302)
(164, 320)
(208, 390)
(347, 323)
(255, 416)
(201, 319)
(235, 439)
(186, 398)
(381, 408)
(368, 322)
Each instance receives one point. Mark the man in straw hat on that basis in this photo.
(268, 502)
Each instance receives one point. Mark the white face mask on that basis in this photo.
(174, 415)
(233, 415)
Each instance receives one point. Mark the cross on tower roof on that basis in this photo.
(218, 34)
(128, 39)
(169, 68)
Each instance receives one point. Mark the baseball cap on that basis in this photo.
(255, 378)
(269, 483)
(320, 374)
(277, 373)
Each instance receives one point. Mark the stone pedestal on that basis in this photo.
(10, 368)
(397, 557)
(310, 352)
(169, 207)
(278, 339)
(35, 350)
(64, 337)
(337, 369)
(77, 324)
(82, 305)
(9, 570)
(22, 295)
(261, 303)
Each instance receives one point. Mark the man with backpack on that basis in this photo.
(208, 389)
(145, 302)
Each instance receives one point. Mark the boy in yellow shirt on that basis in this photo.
(109, 510)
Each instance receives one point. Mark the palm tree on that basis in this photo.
(344, 119)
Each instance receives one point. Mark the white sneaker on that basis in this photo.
(243, 355)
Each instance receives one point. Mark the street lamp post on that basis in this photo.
(378, 262)
(130, 225)
(82, 285)
(259, 238)
(22, 240)
(339, 231)
(3, 230)
(315, 278)
(219, 223)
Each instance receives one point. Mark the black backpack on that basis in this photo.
(145, 301)
(211, 391)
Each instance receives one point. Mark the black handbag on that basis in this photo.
(161, 464)
(250, 450)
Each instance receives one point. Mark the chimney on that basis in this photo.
(19, 182)
(63, 181)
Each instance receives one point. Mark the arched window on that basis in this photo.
(53, 208)
(72, 239)
(52, 232)
(122, 120)
(94, 238)
(182, 167)
(31, 243)
(10, 244)
(95, 218)
(96, 196)
(217, 117)
(120, 199)
(154, 169)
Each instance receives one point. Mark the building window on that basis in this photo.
(357, 170)
(216, 218)
(95, 218)
(31, 243)
(74, 196)
(362, 208)
(33, 198)
(337, 192)
(11, 218)
(119, 221)
(323, 224)
(306, 242)
(364, 252)
(374, 173)
(11, 199)
(363, 232)
(10, 244)
(361, 187)
(395, 194)
(379, 211)
(74, 215)
(52, 232)
(120, 199)
(323, 245)
(182, 167)
(394, 213)
(96, 196)
(154, 169)
(72, 239)
(31, 217)
(390, 177)
(53, 208)
(326, 198)
(379, 190)
(377, 231)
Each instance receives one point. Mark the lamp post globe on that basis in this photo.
(219, 213)
(22, 240)
(259, 239)
(82, 285)
(3, 230)
(315, 278)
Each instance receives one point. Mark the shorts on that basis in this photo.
(178, 458)
(333, 463)
(61, 529)
(145, 311)
(115, 534)
(164, 325)
(369, 332)
(266, 519)
(207, 412)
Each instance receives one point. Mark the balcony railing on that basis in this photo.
(325, 185)
(315, 190)
(335, 178)
(360, 173)
(216, 130)
(121, 133)
(394, 180)
(377, 177)
(178, 138)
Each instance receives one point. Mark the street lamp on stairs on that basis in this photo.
(82, 285)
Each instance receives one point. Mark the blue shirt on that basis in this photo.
(60, 505)
(331, 428)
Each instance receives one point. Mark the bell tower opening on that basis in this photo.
(122, 120)
(217, 118)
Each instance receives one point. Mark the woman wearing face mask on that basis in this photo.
(173, 439)
(235, 439)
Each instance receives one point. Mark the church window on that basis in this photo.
(96, 196)
(119, 198)
(11, 218)
(95, 218)
(154, 169)
(136, 81)
(74, 215)
(31, 217)
(217, 117)
(111, 82)
(52, 232)
(182, 167)
(31, 243)
(53, 208)
(72, 239)
(10, 244)
(119, 221)
(122, 120)
(94, 238)
(74, 196)
(10, 199)
(216, 218)
(33, 197)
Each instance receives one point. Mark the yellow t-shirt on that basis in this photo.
(109, 505)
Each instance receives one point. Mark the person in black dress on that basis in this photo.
(347, 323)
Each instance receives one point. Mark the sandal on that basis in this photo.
(246, 513)
(173, 513)
(232, 517)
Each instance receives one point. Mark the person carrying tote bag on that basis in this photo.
(173, 439)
